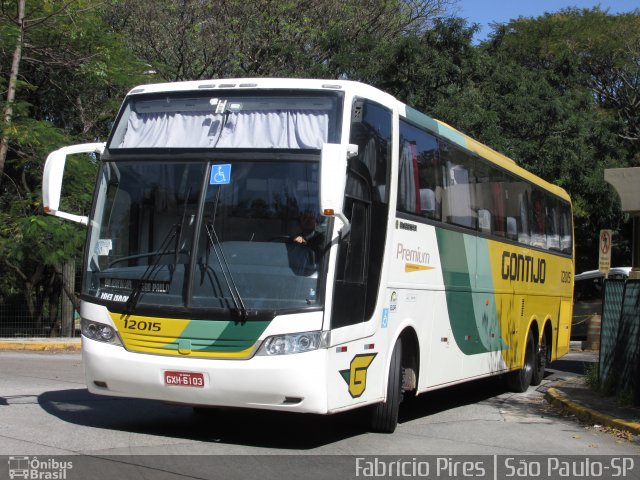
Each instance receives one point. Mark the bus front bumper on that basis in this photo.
(295, 383)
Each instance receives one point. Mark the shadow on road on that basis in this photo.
(258, 428)
(579, 367)
(448, 398)
(249, 427)
(263, 428)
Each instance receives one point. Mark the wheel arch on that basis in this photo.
(410, 358)
(407, 334)
(547, 332)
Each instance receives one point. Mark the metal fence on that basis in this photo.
(619, 365)
(47, 311)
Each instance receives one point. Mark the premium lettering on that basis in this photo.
(411, 255)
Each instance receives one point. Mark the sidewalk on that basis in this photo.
(575, 396)
(40, 344)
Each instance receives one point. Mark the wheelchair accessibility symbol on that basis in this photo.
(220, 174)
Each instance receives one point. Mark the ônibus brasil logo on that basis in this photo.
(35, 469)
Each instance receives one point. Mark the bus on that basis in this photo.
(311, 246)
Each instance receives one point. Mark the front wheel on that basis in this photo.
(384, 418)
(519, 380)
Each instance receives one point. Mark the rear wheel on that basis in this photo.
(384, 418)
(519, 380)
(540, 362)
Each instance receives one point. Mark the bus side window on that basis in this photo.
(524, 229)
(566, 231)
(458, 205)
(360, 253)
(353, 247)
(419, 176)
(490, 199)
(538, 218)
(552, 223)
(371, 131)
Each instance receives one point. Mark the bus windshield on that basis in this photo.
(235, 235)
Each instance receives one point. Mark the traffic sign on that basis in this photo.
(604, 258)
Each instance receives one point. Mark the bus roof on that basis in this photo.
(360, 89)
(268, 84)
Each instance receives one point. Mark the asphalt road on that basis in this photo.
(45, 409)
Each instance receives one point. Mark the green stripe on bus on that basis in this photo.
(474, 323)
(445, 131)
(220, 335)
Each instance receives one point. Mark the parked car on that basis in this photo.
(587, 298)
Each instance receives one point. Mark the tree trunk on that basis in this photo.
(67, 307)
(11, 93)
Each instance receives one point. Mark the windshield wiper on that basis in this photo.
(174, 232)
(222, 261)
(132, 301)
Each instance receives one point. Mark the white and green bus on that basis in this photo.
(311, 246)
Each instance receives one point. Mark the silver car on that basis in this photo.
(587, 298)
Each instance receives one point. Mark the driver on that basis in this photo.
(309, 235)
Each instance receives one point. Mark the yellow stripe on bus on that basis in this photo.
(414, 267)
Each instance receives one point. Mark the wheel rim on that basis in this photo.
(542, 354)
(527, 369)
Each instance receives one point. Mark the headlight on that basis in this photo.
(99, 332)
(294, 343)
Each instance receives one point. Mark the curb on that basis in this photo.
(555, 397)
(67, 346)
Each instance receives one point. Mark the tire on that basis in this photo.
(519, 380)
(540, 363)
(384, 417)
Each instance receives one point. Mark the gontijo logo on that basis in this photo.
(523, 268)
(356, 375)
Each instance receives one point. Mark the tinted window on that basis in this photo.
(420, 176)
(491, 191)
(458, 204)
(366, 205)
(441, 181)
(371, 131)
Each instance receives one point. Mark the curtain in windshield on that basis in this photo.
(271, 129)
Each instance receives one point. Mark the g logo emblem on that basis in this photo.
(356, 375)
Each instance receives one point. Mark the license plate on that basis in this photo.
(184, 379)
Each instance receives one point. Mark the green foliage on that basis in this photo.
(536, 92)
(191, 39)
(562, 109)
(592, 376)
(73, 75)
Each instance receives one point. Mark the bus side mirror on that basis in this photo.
(333, 179)
(52, 179)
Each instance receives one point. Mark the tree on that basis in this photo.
(532, 93)
(588, 47)
(188, 40)
(13, 79)
(73, 74)
(543, 85)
